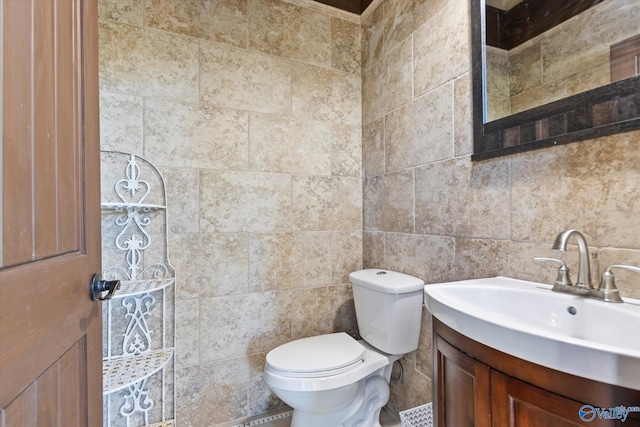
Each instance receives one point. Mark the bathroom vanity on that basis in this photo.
(475, 385)
(509, 352)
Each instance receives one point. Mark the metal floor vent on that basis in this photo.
(265, 420)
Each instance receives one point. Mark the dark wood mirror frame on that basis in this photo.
(606, 110)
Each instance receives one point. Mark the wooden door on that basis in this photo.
(50, 330)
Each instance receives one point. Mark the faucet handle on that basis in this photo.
(608, 284)
(563, 278)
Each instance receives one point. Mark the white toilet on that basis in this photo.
(335, 381)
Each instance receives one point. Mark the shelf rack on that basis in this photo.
(138, 356)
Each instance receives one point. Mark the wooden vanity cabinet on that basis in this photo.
(478, 386)
(461, 388)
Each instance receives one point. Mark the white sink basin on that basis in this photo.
(577, 335)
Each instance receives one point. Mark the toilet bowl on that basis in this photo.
(334, 380)
(330, 393)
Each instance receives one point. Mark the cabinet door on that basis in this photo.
(517, 404)
(461, 388)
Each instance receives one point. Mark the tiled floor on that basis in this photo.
(386, 419)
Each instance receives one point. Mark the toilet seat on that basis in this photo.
(314, 357)
(345, 376)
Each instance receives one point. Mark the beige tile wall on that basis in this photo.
(251, 109)
(261, 120)
(431, 212)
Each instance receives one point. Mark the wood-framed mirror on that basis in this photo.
(533, 89)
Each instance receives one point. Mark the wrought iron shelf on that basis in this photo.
(140, 317)
(124, 371)
(167, 423)
(137, 287)
(119, 207)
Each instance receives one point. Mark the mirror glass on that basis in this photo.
(549, 72)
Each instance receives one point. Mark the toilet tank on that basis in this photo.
(388, 309)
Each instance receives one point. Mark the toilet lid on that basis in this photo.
(316, 354)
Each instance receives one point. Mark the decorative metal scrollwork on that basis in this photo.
(145, 280)
(136, 399)
(137, 337)
(127, 188)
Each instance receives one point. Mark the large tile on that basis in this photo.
(477, 258)
(398, 85)
(260, 397)
(372, 203)
(590, 186)
(326, 203)
(460, 198)
(425, 10)
(442, 47)
(373, 92)
(431, 258)
(317, 311)
(213, 392)
(421, 131)
(326, 95)
(373, 148)
(346, 150)
(147, 62)
(211, 264)
(346, 255)
(290, 145)
(397, 202)
(243, 79)
(345, 45)
(289, 260)
(414, 390)
(373, 249)
(372, 36)
(187, 332)
(463, 115)
(291, 31)
(195, 136)
(121, 123)
(626, 281)
(424, 353)
(182, 187)
(388, 83)
(125, 11)
(244, 201)
(237, 325)
(344, 319)
(398, 22)
(222, 21)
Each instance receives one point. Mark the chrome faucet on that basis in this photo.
(584, 269)
(607, 290)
